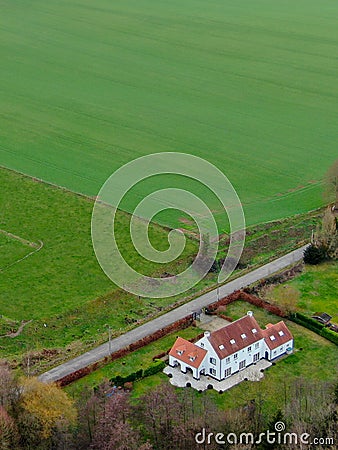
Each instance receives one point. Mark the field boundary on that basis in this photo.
(49, 183)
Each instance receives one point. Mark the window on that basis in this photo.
(282, 348)
(232, 341)
(235, 355)
(242, 365)
(281, 333)
(257, 345)
(243, 336)
(227, 360)
(201, 344)
(272, 337)
(254, 330)
(213, 371)
(275, 352)
(256, 357)
(221, 347)
(227, 372)
(213, 361)
(249, 348)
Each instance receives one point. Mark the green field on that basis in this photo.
(11, 251)
(251, 86)
(62, 286)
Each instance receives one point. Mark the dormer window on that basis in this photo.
(179, 352)
(232, 341)
(254, 330)
(243, 336)
(281, 333)
(192, 358)
(272, 337)
(221, 347)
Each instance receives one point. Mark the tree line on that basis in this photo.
(34, 415)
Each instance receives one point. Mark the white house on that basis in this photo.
(232, 348)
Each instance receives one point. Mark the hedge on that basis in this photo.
(306, 322)
(314, 326)
(330, 335)
(155, 367)
(76, 375)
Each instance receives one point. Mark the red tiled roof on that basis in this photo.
(189, 350)
(280, 333)
(235, 331)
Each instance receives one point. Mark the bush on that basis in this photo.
(314, 255)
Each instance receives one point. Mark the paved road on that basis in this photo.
(140, 332)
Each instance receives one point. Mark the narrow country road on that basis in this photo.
(144, 330)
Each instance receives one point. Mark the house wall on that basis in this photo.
(246, 354)
(280, 350)
(223, 364)
(209, 367)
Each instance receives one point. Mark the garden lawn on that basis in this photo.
(139, 359)
(317, 287)
(314, 358)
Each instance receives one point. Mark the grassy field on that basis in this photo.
(62, 285)
(251, 86)
(11, 251)
(317, 288)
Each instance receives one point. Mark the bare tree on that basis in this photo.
(331, 184)
(326, 236)
(113, 429)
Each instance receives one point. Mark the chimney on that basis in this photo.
(249, 313)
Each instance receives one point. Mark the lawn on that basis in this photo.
(317, 289)
(251, 86)
(139, 359)
(314, 358)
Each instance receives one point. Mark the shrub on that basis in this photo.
(314, 255)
